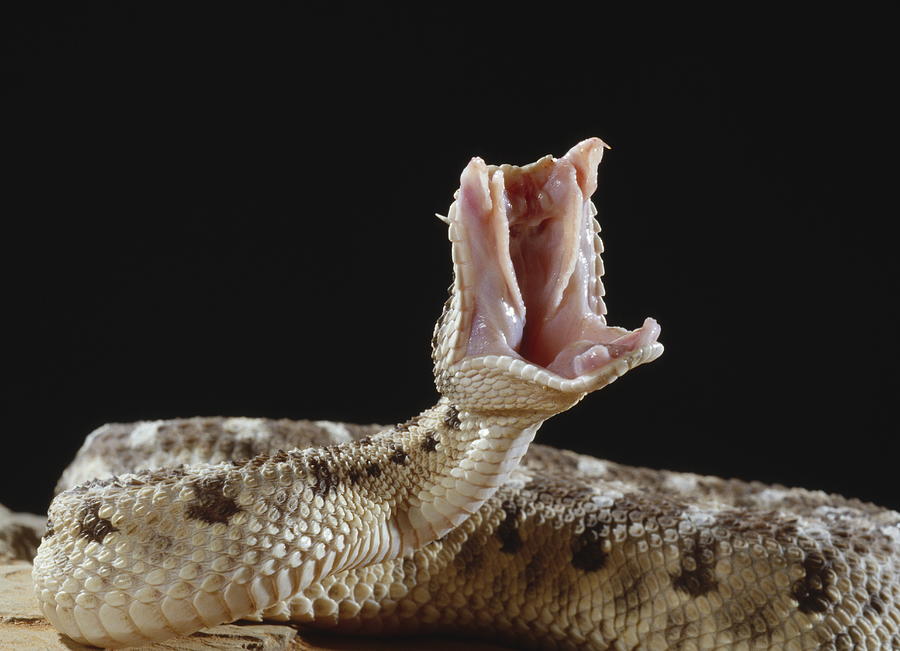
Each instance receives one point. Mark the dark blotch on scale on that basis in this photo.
(211, 505)
(699, 580)
(876, 602)
(508, 530)
(90, 524)
(451, 420)
(398, 456)
(430, 442)
(373, 470)
(810, 590)
(326, 480)
(587, 549)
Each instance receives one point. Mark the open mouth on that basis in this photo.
(528, 268)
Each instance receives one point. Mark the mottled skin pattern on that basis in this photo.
(575, 552)
(437, 524)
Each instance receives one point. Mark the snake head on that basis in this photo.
(525, 326)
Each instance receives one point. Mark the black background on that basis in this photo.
(230, 212)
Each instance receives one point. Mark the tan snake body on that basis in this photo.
(444, 523)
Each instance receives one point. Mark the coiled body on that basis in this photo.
(575, 552)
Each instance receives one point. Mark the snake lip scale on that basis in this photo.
(453, 521)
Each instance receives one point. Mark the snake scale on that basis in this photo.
(452, 522)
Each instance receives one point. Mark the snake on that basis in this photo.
(454, 522)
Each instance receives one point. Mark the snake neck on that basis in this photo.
(415, 482)
(454, 460)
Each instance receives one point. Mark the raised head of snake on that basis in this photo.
(155, 554)
(525, 328)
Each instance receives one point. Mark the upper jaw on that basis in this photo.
(527, 275)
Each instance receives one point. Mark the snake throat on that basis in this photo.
(527, 253)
